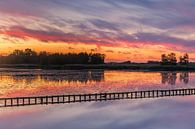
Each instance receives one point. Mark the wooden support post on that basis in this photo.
(23, 101)
(131, 95)
(148, 94)
(84, 97)
(11, 102)
(95, 97)
(36, 100)
(5, 103)
(89, 97)
(41, 100)
(110, 96)
(46, 100)
(153, 93)
(63, 99)
(127, 95)
(105, 96)
(58, 99)
(144, 94)
(79, 98)
(135, 95)
(17, 101)
(74, 98)
(68, 98)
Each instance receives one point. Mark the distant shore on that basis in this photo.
(144, 67)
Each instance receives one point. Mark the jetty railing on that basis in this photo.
(58, 99)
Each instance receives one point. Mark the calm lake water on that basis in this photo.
(49, 82)
(158, 113)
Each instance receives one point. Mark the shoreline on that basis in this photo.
(138, 67)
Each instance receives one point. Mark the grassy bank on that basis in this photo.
(150, 67)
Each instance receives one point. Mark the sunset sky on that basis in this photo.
(136, 30)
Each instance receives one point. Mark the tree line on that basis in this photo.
(29, 56)
(171, 59)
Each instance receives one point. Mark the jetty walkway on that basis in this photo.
(74, 98)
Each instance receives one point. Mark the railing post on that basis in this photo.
(11, 102)
(36, 100)
(28, 101)
(23, 101)
(46, 100)
(95, 96)
(17, 100)
(63, 100)
(5, 103)
(110, 96)
(148, 94)
(41, 100)
(74, 98)
(69, 98)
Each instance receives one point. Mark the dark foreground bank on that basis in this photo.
(147, 67)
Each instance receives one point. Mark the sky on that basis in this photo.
(135, 30)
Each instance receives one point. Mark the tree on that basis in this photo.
(96, 58)
(172, 58)
(29, 56)
(169, 59)
(184, 60)
(164, 59)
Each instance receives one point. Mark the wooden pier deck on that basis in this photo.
(58, 99)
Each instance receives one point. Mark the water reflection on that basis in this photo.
(96, 76)
(55, 82)
(184, 77)
(69, 76)
(171, 77)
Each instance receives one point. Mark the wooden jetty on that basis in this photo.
(58, 99)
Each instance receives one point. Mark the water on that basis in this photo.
(15, 83)
(171, 112)
(163, 113)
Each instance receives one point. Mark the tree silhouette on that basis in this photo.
(184, 60)
(29, 56)
(172, 58)
(169, 59)
(164, 59)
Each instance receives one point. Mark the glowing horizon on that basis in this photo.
(122, 30)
